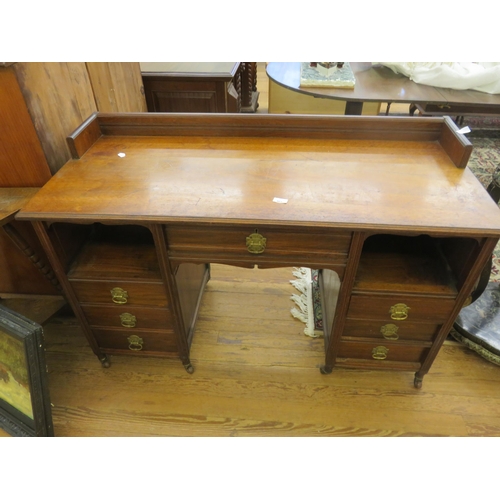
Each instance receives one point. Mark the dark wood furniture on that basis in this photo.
(385, 203)
(377, 83)
(30, 255)
(200, 87)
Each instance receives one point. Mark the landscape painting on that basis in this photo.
(14, 380)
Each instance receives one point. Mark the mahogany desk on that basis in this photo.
(385, 204)
(377, 83)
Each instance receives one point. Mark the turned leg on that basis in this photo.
(37, 261)
(417, 381)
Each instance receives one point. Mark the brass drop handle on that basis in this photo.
(135, 343)
(119, 295)
(399, 312)
(380, 352)
(256, 243)
(389, 331)
(128, 320)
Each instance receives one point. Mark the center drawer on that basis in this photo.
(217, 243)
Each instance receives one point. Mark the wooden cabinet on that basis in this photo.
(202, 87)
(385, 204)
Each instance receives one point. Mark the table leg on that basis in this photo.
(353, 108)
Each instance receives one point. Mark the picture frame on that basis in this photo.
(25, 408)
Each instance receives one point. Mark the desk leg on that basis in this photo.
(43, 236)
(353, 108)
(332, 339)
(173, 295)
(482, 258)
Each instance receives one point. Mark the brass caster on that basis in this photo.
(417, 382)
(105, 362)
(325, 370)
(189, 368)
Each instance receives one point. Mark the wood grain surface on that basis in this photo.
(383, 184)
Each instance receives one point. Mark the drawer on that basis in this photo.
(380, 352)
(123, 293)
(392, 331)
(216, 243)
(136, 317)
(136, 341)
(382, 307)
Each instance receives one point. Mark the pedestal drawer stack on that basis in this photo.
(403, 293)
(117, 281)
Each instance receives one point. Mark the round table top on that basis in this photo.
(376, 83)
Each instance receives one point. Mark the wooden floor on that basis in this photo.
(256, 374)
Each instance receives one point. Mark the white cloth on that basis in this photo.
(484, 77)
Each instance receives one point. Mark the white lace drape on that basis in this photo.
(484, 77)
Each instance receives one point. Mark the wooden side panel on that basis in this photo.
(117, 86)
(456, 145)
(18, 273)
(82, 139)
(59, 98)
(22, 162)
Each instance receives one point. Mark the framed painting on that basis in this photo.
(24, 396)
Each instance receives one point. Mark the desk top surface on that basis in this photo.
(339, 182)
(378, 83)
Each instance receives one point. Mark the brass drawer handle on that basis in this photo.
(380, 352)
(389, 331)
(399, 312)
(119, 295)
(128, 320)
(256, 243)
(135, 343)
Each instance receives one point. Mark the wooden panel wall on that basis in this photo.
(22, 161)
(59, 97)
(40, 105)
(117, 87)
